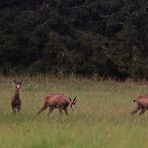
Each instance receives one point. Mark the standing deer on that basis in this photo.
(59, 101)
(142, 104)
(16, 101)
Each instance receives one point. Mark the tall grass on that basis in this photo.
(100, 119)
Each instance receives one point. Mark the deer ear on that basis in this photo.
(14, 81)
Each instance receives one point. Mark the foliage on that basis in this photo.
(103, 37)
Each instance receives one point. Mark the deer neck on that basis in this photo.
(17, 93)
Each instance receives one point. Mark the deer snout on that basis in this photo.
(18, 86)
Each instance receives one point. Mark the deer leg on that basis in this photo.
(14, 110)
(50, 110)
(60, 110)
(66, 112)
(42, 109)
(18, 108)
(142, 111)
(135, 111)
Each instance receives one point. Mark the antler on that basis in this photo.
(69, 98)
(74, 98)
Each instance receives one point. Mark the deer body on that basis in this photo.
(58, 101)
(142, 104)
(16, 101)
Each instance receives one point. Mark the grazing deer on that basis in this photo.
(59, 101)
(16, 101)
(142, 104)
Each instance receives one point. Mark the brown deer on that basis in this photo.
(142, 104)
(59, 101)
(16, 101)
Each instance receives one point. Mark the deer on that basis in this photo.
(16, 101)
(142, 104)
(57, 101)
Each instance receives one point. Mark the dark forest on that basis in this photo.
(106, 38)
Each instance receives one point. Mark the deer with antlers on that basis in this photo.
(58, 101)
(16, 101)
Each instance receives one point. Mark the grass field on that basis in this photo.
(100, 119)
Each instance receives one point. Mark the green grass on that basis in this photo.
(100, 119)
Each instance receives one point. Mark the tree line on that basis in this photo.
(107, 38)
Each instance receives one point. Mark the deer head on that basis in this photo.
(73, 102)
(17, 84)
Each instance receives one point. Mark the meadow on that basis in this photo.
(101, 117)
